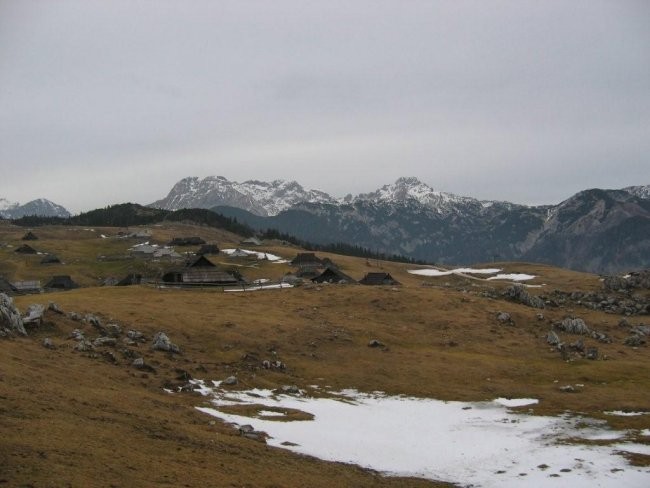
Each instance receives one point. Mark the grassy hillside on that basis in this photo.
(73, 418)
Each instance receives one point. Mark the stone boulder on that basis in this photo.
(34, 314)
(573, 326)
(519, 294)
(504, 318)
(552, 338)
(635, 340)
(10, 320)
(162, 343)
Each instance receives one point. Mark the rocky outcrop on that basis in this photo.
(11, 321)
(162, 343)
(518, 293)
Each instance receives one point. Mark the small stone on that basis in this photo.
(113, 330)
(290, 390)
(375, 343)
(84, 346)
(552, 338)
(230, 380)
(48, 344)
(135, 335)
(162, 343)
(504, 318)
(105, 341)
(53, 307)
(592, 353)
(634, 340)
(567, 389)
(77, 335)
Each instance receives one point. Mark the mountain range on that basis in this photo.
(603, 231)
(41, 207)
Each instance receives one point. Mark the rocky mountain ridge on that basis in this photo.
(41, 207)
(604, 231)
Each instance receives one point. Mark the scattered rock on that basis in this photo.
(635, 340)
(162, 343)
(592, 353)
(113, 330)
(34, 314)
(250, 433)
(578, 345)
(573, 326)
(519, 294)
(230, 380)
(10, 319)
(48, 344)
(94, 321)
(135, 335)
(105, 341)
(568, 389)
(109, 356)
(77, 335)
(74, 316)
(289, 390)
(504, 318)
(84, 346)
(540, 316)
(139, 363)
(53, 307)
(183, 375)
(552, 338)
(643, 330)
(375, 343)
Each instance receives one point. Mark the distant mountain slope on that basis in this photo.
(595, 230)
(639, 191)
(257, 197)
(41, 207)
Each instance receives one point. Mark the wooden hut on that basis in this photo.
(26, 249)
(61, 282)
(379, 279)
(332, 275)
(201, 271)
(50, 259)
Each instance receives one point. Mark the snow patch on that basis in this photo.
(513, 277)
(438, 272)
(473, 444)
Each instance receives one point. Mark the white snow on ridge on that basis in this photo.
(260, 255)
(437, 272)
(502, 276)
(260, 287)
(477, 444)
(513, 277)
(516, 402)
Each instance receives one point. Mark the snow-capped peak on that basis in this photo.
(412, 189)
(639, 191)
(258, 197)
(41, 207)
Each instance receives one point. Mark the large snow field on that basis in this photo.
(484, 444)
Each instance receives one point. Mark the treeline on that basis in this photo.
(130, 214)
(340, 248)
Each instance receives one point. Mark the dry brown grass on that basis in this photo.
(70, 419)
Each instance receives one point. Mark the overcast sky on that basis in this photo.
(529, 101)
